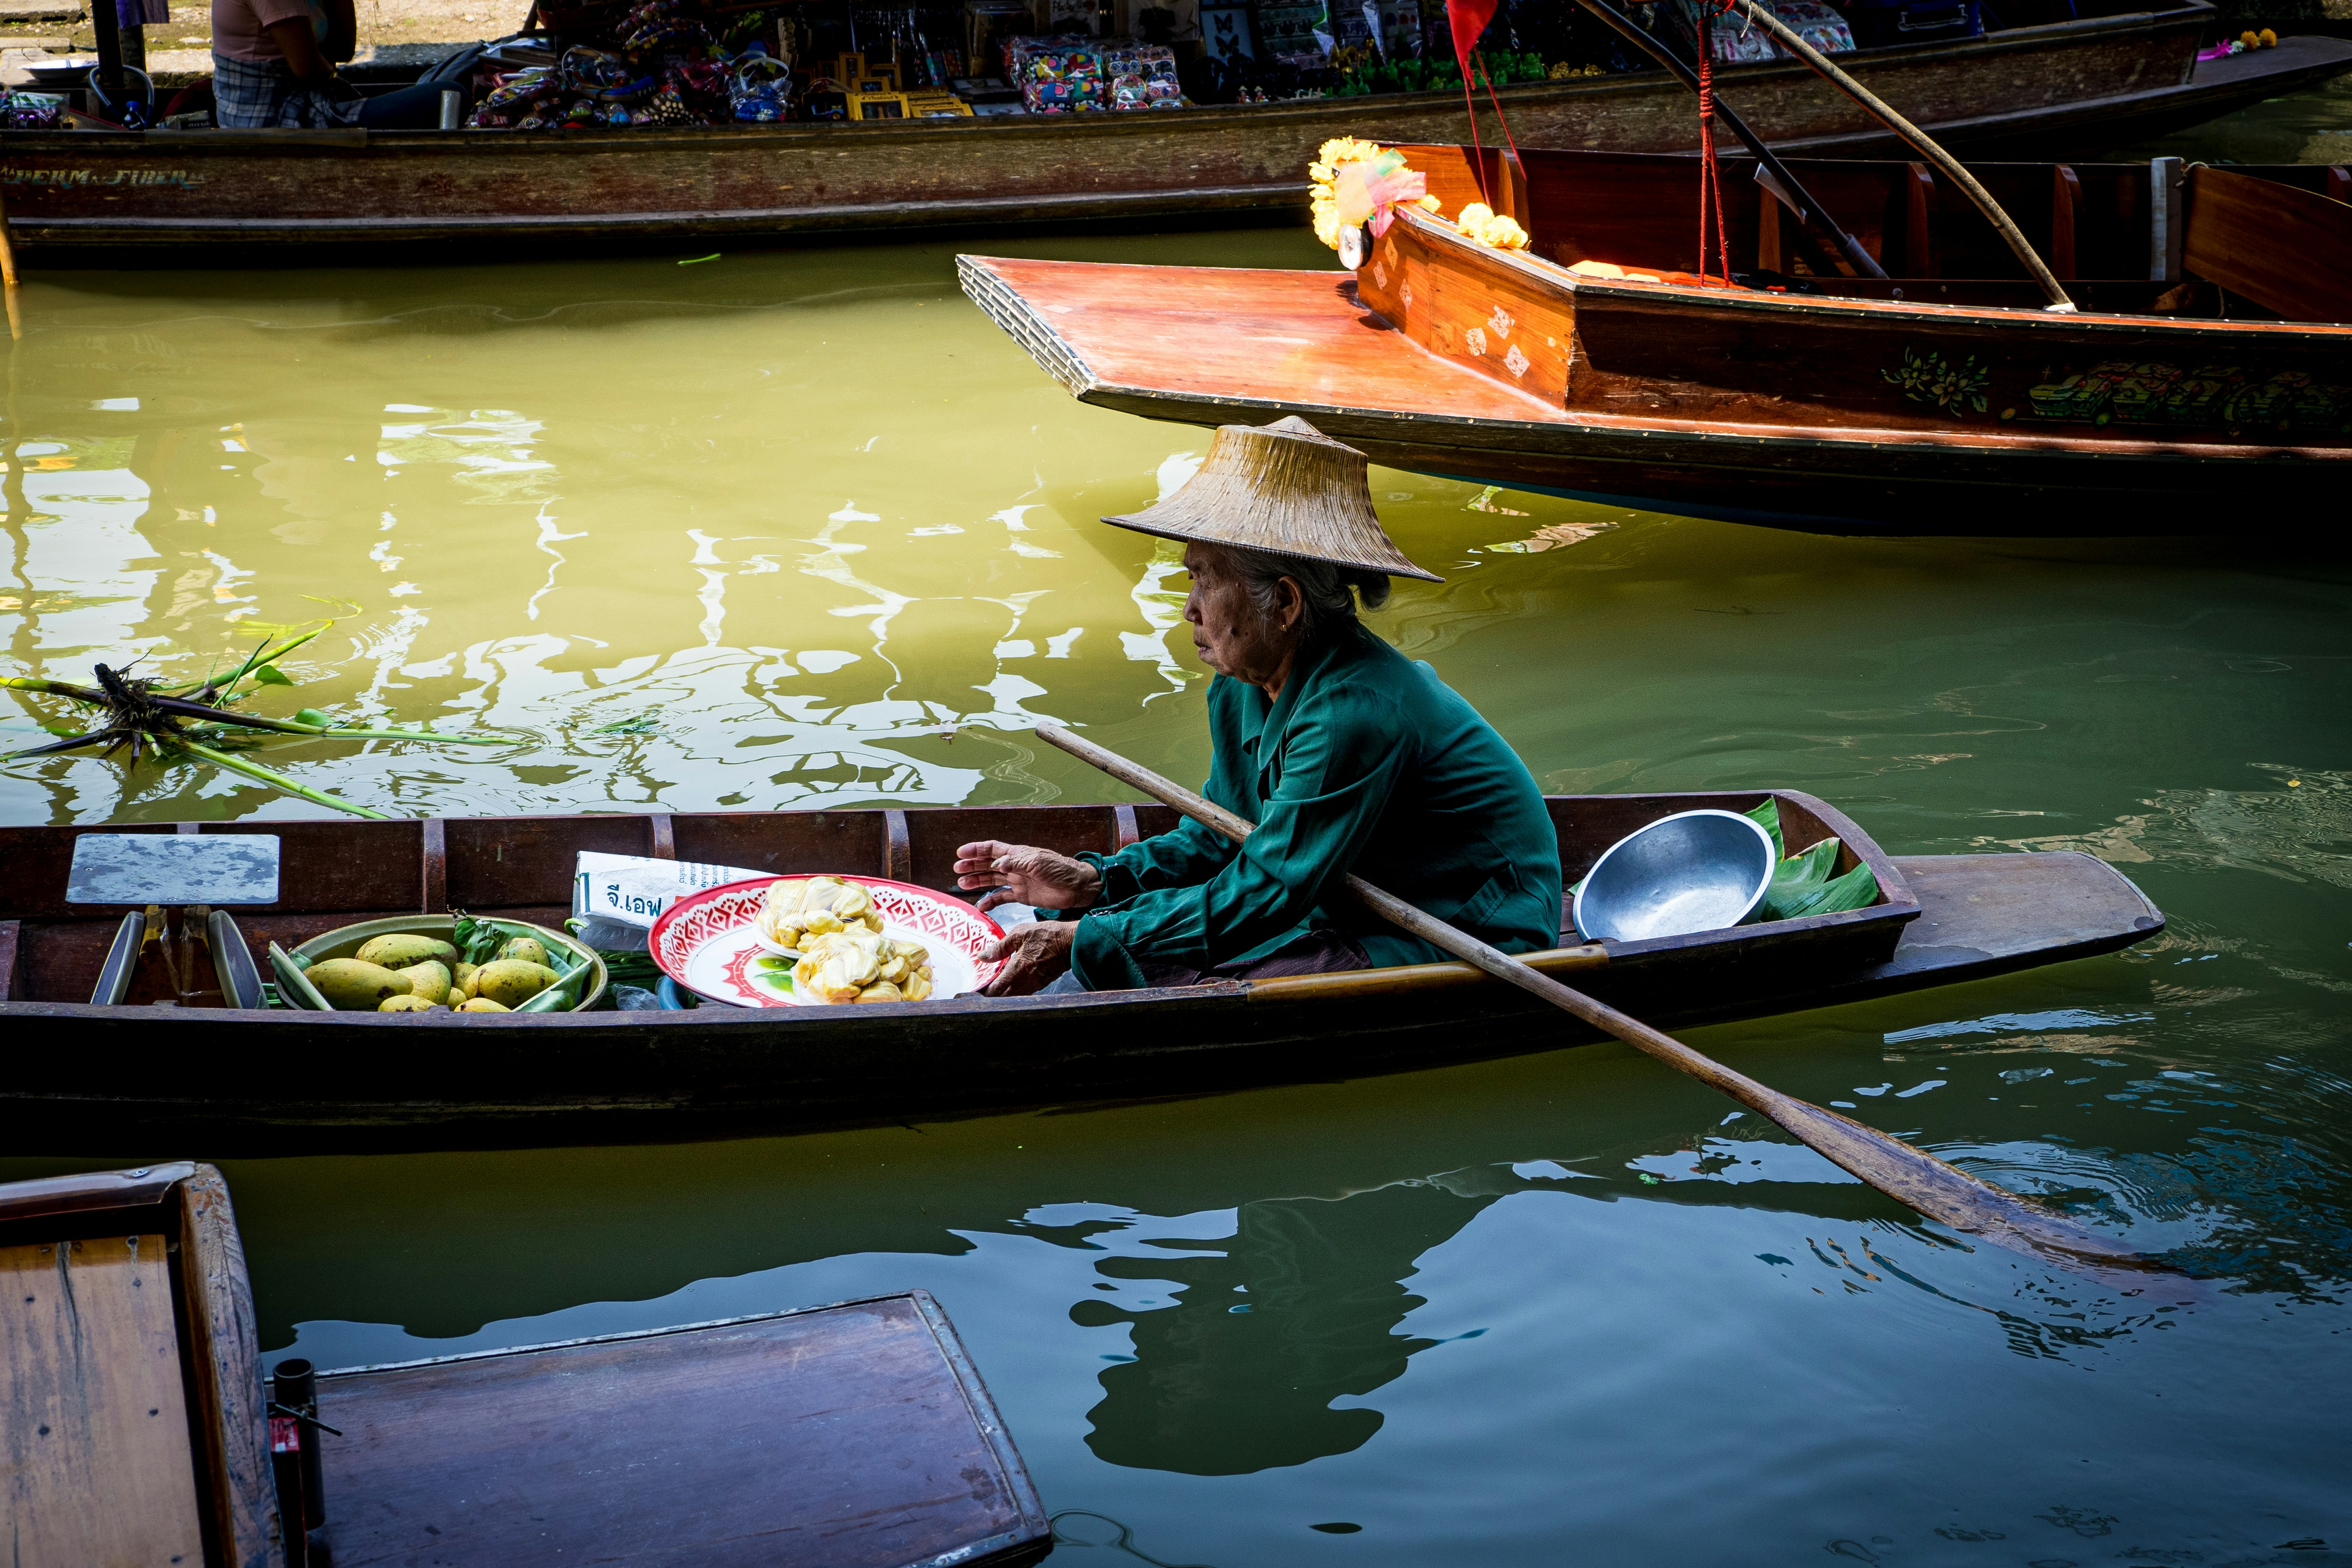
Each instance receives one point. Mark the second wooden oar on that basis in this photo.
(1912, 1176)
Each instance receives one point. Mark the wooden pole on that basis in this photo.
(1785, 37)
(8, 284)
(1912, 1176)
(108, 78)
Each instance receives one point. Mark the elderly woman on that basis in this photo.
(1342, 751)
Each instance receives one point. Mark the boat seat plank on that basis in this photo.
(89, 1387)
(2287, 250)
(851, 1436)
(1989, 904)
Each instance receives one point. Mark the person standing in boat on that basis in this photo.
(1341, 749)
(274, 66)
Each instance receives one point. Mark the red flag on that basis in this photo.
(1468, 18)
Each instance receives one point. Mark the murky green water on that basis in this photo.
(813, 533)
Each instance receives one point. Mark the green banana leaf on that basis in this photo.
(1806, 883)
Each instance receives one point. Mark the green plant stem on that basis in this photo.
(271, 775)
(51, 688)
(413, 735)
(199, 711)
(264, 654)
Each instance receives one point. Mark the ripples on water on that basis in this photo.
(801, 529)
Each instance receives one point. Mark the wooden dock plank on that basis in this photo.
(95, 1468)
(851, 1437)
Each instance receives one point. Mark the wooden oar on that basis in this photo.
(1912, 1176)
(1787, 37)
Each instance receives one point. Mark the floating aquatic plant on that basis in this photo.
(127, 711)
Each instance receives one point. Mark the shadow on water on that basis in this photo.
(1298, 1309)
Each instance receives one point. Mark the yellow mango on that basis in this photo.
(429, 979)
(400, 951)
(482, 1005)
(350, 985)
(510, 982)
(408, 1005)
(524, 950)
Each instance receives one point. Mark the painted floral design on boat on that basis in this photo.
(2125, 392)
(1957, 389)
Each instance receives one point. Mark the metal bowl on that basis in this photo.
(1693, 872)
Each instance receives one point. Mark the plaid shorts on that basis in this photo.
(251, 97)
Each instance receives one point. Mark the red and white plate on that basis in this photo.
(709, 944)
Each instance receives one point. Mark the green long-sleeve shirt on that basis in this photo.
(1367, 760)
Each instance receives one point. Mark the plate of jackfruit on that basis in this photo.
(824, 940)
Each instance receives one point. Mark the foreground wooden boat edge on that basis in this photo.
(870, 1434)
(219, 1350)
(423, 1467)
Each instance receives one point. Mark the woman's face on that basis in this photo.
(1232, 634)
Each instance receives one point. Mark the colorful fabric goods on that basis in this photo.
(23, 111)
(1071, 73)
(658, 62)
(1353, 182)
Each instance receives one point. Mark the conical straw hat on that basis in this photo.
(1286, 489)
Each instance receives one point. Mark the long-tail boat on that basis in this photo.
(2112, 76)
(140, 1431)
(265, 1080)
(2208, 359)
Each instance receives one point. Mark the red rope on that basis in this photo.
(1478, 154)
(1710, 178)
(1489, 78)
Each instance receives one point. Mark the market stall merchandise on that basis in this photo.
(1072, 72)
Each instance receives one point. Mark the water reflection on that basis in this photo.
(1296, 1309)
(762, 533)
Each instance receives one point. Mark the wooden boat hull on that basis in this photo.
(853, 1436)
(1895, 413)
(2082, 82)
(157, 1442)
(376, 1080)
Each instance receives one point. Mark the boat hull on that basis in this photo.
(1750, 407)
(290, 194)
(365, 1080)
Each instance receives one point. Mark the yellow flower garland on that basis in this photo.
(1477, 221)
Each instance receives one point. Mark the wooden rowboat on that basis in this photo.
(854, 1436)
(289, 194)
(347, 1080)
(2209, 361)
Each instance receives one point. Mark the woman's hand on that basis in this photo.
(1023, 874)
(1034, 955)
